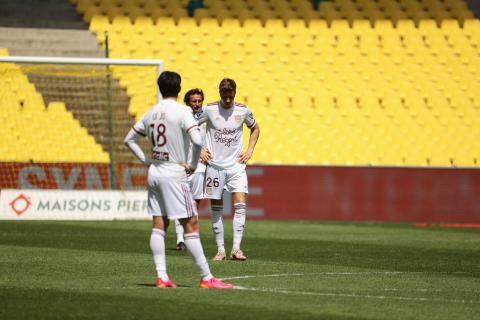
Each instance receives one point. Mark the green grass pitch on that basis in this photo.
(296, 270)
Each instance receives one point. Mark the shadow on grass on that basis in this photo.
(153, 304)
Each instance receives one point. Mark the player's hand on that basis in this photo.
(188, 168)
(245, 156)
(205, 156)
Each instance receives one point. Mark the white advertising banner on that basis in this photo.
(72, 205)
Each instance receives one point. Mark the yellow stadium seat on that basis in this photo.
(82, 6)
(158, 13)
(114, 12)
(448, 24)
(200, 14)
(406, 26)
(99, 24)
(90, 12)
(135, 12)
(179, 13)
(340, 27)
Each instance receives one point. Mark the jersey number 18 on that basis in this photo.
(159, 139)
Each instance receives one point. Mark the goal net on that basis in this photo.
(64, 120)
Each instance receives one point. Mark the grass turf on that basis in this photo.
(296, 270)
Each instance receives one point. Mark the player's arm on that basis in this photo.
(131, 142)
(252, 141)
(197, 145)
(190, 126)
(205, 155)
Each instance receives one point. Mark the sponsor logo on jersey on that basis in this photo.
(226, 136)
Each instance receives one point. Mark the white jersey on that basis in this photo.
(225, 132)
(167, 124)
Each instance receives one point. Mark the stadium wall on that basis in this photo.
(436, 195)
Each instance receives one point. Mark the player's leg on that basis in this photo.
(214, 183)
(195, 249)
(180, 240)
(216, 206)
(160, 225)
(194, 246)
(239, 218)
(157, 245)
(237, 183)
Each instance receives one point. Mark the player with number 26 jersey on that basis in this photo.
(225, 133)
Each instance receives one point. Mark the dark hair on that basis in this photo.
(169, 84)
(227, 84)
(191, 92)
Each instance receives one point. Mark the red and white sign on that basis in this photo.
(72, 205)
(275, 192)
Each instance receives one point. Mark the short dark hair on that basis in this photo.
(169, 84)
(191, 92)
(227, 84)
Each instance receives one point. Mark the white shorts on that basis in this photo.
(217, 180)
(169, 195)
(196, 182)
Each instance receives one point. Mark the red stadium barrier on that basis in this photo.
(300, 192)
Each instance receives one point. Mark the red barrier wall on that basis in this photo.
(294, 192)
(375, 194)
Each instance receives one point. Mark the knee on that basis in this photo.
(190, 225)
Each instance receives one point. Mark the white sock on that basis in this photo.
(157, 244)
(217, 226)
(238, 223)
(195, 249)
(179, 231)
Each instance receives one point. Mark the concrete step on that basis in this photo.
(49, 42)
(40, 33)
(40, 14)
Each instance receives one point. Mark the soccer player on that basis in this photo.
(194, 99)
(226, 165)
(170, 126)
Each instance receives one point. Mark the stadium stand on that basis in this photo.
(34, 132)
(356, 82)
(368, 84)
(82, 89)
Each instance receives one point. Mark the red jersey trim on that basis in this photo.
(194, 126)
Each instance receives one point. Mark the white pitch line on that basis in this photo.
(353, 295)
(336, 273)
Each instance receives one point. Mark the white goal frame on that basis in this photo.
(91, 61)
(87, 61)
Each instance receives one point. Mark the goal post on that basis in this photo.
(41, 100)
